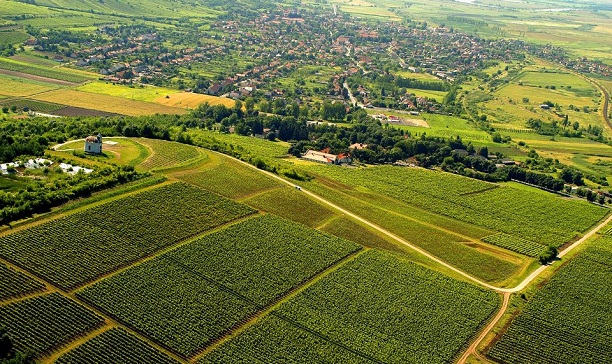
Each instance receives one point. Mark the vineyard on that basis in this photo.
(13, 283)
(570, 319)
(374, 307)
(115, 346)
(515, 244)
(188, 297)
(274, 340)
(292, 204)
(168, 154)
(230, 179)
(504, 209)
(33, 105)
(41, 71)
(42, 323)
(95, 241)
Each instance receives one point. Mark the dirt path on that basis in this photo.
(472, 348)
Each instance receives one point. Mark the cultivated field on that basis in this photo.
(14, 283)
(165, 154)
(568, 320)
(375, 308)
(90, 243)
(187, 298)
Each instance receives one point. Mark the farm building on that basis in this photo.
(327, 158)
(93, 144)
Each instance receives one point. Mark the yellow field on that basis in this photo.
(15, 86)
(88, 100)
(190, 100)
(153, 94)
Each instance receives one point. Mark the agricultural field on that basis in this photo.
(185, 301)
(90, 243)
(43, 323)
(515, 244)
(14, 283)
(254, 146)
(165, 154)
(343, 317)
(88, 100)
(159, 95)
(36, 70)
(568, 320)
(113, 346)
(503, 209)
(17, 86)
(229, 178)
(291, 204)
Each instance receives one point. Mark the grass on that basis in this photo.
(291, 204)
(17, 86)
(166, 154)
(88, 100)
(125, 152)
(55, 73)
(229, 178)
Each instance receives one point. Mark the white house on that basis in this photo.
(93, 144)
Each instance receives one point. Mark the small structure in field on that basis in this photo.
(93, 144)
(325, 157)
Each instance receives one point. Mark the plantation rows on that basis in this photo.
(374, 307)
(75, 249)
(570, 319)
(42, 323)
(231, 179)
(13, 283)
(504, 209)
(44, 107)
(274, 340)
(168, 154)
(515, 244)
(40, 71)
(115, 346)
(188, 297)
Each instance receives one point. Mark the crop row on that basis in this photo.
(570, 319)
(375, 307)
(40, 71)
(515, 244)
(230, 179)
(14, 283)
(75, 249)
(42, 323)
(115, 346)
(190, 296)
(504, 209)
(167, 154)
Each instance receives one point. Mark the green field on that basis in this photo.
(568, 320)
(190, 296)
(43, 323)
(89, 243)
(165, 154)
(55, 73)
(112, 346)
(229, 178)
(14, 283)
(375, 308)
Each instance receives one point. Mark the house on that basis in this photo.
(93, 144)
(357, 146)
(325, 157)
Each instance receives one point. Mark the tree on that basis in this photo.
(548, 254)
(6, 345)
